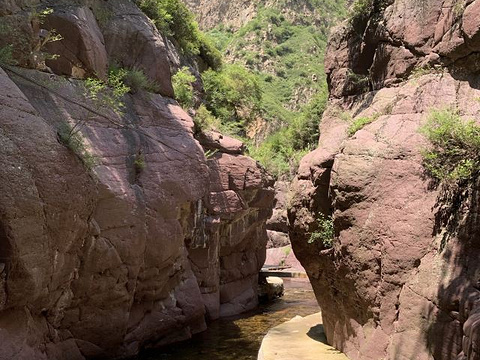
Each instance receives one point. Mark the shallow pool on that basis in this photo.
(239, 338)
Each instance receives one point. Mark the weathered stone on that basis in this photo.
(212, 140)
(385, 289)
(81, 51)
(133, 41)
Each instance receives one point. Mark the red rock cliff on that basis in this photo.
(392, 287)
(103, 262)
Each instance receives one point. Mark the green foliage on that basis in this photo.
(139, 163)
(183, 87)
(325, 232)
(454, 156)
(75, 142)
(204, 120)
(210, 153)
(6, 55)
(174, 19)
(136, 80)
(233, 95)
(360, 123)
(285, 83)
(360, 10)
(281, 151)
(108, 93)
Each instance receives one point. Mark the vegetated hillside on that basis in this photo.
(282, 45)
(113, 205)
(384, 215)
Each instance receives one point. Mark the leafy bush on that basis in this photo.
(360, 11)
(174, 19)
(325, 232)
(75, 142)
(204, 120)
(281, 151)
(108, 93)
(183, 87)
(136, 80)
(233, 95)
(455, 153)
(6, 55)
(359, 123)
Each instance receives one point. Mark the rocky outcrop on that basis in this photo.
(124, 235)
(396, 284)
(383, 45)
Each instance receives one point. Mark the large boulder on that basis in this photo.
(81, 51)
(133, 41)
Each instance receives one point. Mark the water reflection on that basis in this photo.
(239, 338)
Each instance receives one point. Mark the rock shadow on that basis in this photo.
(317, 333)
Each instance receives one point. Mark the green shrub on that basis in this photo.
(360, 123)
(325, 232)
(108, 93)
(204, 120)
(233, 95)
(139, 163)
(360, 11)
(454, 156)
(6, 55)
(136, 80)
(75, 142)
(174, 19)
(183, 87)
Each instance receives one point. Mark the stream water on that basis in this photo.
(239, 338)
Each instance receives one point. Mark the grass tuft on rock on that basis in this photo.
(454, 155)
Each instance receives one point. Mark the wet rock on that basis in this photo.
(270, 289)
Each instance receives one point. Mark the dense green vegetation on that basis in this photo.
(285, 54)
(272, 92)
(325, 232)
(233, 96)
(182, 83)
(454, 156)
(173, 19)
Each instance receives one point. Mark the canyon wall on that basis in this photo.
(130, 237)
(401, 280)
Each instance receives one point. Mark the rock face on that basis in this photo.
(130, 237)
(394, 285)
(233, 14)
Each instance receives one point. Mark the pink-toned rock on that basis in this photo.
(226, 204)
(81, 51)
(212, 140)
(132, 41)
(119, 257)
(387, 288)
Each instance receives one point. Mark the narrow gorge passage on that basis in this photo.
(164, 163)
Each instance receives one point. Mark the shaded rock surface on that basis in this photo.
(396, 284)
(138, 249)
